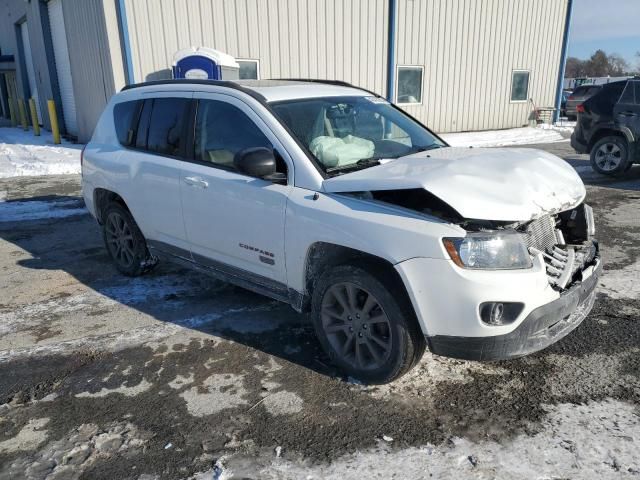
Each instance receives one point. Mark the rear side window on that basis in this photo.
(605, 100)
(631, 94)
(123, 116)
(166, 125)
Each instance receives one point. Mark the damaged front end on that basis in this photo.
(563, 241)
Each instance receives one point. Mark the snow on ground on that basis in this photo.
(24, 154)
(40, 210)
(512, 136)
(590, 441)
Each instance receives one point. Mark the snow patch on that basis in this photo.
(283, 403)
(40, 210)
(31, 435)
(501, 138)
(24, 154)
(217, 393)
(593, 441)
(623, 283)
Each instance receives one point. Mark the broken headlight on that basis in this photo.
(503, 250)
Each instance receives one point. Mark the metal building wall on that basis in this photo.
(329, 39)
(469, 48)
(14, 11)
(95, 56)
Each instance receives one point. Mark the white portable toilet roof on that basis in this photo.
(221, 58)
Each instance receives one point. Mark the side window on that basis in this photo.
(166, 125)
(519, 86)
(222, 130)
(628, 96)
(123, 116)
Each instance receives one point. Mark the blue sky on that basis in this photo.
(612, 25)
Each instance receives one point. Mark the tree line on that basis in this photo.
(600, 64)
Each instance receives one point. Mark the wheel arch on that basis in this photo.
(103, 197)
(323, 255)
(611, 131)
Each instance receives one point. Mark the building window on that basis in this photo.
(409, 85)
(519, 86)
(249, 69)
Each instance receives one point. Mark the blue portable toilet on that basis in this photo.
(202, 63)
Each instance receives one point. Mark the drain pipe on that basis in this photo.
(123, 26)
(391, 55)
(563, 59)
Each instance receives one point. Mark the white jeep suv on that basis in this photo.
(333, 200)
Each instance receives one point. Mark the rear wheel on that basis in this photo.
(610, 156)
(124, 241)
(367, 331)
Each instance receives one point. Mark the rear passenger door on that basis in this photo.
(234, 223)
(154, 162)
(627, 110)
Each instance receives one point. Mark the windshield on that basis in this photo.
(349, 133)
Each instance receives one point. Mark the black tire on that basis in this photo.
(610, 156)
(124, 241)
(405, 343)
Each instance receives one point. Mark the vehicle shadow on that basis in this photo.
(171, 294)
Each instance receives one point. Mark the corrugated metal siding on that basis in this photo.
(329, 39)
(96, 62)
(469, 49)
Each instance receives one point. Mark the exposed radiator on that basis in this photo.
(541, 233)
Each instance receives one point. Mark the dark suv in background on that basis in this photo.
(608, 127)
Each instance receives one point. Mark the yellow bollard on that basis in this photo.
(23, 114)
(53, 118)
(12, 112)
(34, 117)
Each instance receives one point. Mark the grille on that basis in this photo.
(541, 233)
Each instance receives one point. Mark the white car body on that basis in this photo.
(174, 203)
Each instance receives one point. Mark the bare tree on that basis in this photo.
(618, 66)
(600, 64)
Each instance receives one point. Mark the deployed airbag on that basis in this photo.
(334, 151)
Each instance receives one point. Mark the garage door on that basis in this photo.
(63, 66)
(31, 74)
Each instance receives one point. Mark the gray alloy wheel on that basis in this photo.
(356, 326)
(119, 239)
(365, 322)
(125, 243)
(610, 156)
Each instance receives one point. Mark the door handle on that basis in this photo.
(628, 114)
(196, 182)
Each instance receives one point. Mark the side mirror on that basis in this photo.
(258, 162)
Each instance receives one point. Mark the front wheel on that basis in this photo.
(610, 156)
(366, 327)
(124, 241)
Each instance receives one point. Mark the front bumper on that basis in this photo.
(542, 327)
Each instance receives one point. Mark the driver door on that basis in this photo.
(234, 223)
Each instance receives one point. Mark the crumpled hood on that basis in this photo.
(506, 184)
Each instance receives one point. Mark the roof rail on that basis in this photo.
(339, 83)
(240, 87)
(186, 81)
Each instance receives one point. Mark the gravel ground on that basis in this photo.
(175, 375)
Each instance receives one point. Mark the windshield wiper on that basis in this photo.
(433, 146)
(359, 165)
